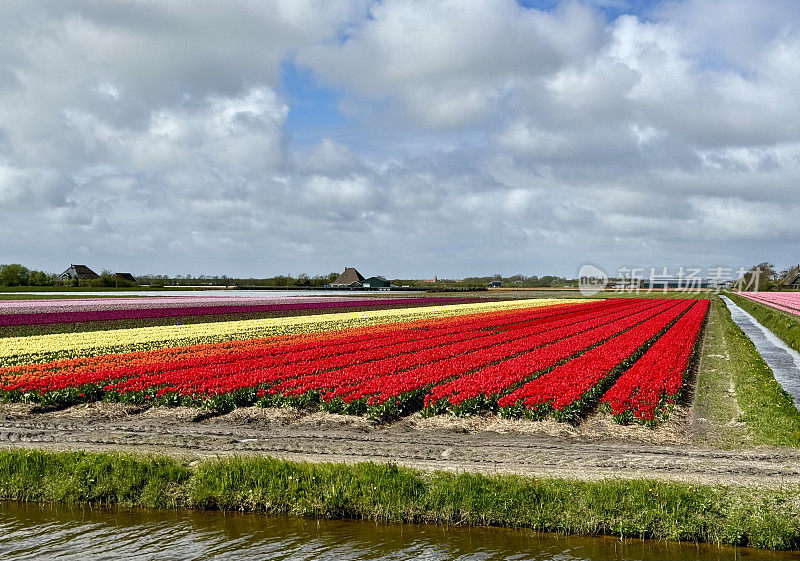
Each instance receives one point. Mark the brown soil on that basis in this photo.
(595, 449)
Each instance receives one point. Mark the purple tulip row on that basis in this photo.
(162, 312)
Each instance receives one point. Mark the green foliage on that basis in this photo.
(761, 277)
(302, 280)
(79, 477)
(14, 275)
(386, 492)
(18, 275)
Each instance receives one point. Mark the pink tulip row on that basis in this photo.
(788, 302)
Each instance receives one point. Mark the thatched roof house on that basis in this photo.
(349, 278)
(80, 272)
(125, 276)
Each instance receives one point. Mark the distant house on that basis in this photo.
(349, 279)
(496, 284)
(624, 283)
(376, 282)
(78, 272)
(668, 281)
(125, 277)
(792, 279)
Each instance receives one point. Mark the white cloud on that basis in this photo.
(447, 64)
(479, 136)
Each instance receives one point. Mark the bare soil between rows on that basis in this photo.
(595, 449)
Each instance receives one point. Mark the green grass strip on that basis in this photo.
(767, 408)
(637, 508)
(784, 325)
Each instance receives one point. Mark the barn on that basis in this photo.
(376, 282)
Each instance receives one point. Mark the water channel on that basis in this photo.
(32, 531)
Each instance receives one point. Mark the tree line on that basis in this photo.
(761, 277)
(15, 274)
(764, 278)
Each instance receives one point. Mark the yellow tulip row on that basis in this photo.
(45, 348)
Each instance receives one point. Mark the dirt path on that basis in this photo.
(596, 449)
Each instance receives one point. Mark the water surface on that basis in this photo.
(31, 531)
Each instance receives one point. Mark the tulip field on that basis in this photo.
(535, 358)
(38, 312)
(788, 302)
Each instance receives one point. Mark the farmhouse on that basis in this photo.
(125, 277)
(669, 281)
(376, 282)
(350, 278)
(79, 272)
(792, 279)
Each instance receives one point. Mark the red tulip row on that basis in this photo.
(216, 352)
(400, 386)
(274, 363)
(301, 382)
(656, 380)
(511, 338)
(534, 361)
(568, 389)
(481, 389)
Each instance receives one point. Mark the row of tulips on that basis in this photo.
(482, 388)
(646, 390)
(788, 302)
(81, 304)
(400, 384)
(47, 348)
(567, 390)
(196, 376)
(43, 318)
(297, 343)
(523, 357)
(198, 381)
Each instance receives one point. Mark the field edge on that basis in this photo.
(736, 395)
(387, 493)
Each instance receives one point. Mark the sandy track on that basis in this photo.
(594, 450)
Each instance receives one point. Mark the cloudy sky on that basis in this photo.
(406, 138)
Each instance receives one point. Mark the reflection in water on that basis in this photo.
(29, 531)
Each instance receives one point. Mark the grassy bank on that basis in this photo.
(647, 509)
(737, 391)
(786, 326)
